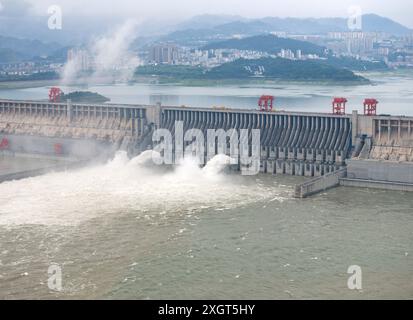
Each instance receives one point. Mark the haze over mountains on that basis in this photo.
(81, 29)
(25, 36)
(202, 27)
(371, 23)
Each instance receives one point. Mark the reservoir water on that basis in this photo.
(126, 230)
(393, 90)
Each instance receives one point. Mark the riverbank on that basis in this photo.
(189, 82)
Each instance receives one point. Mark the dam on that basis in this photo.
(334, 149)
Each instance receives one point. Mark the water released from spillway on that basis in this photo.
(68, 198)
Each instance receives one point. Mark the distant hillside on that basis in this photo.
(10, 56)
(267, 43)
(28, 47)
(375, 23)
(370, 23)
(250, 27)
(207, 21)
(16, 50)
(266, 68)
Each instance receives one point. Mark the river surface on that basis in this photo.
(130, 230)
(393, 90)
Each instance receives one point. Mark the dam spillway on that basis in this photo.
(294, 143)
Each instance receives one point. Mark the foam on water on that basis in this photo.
(123, 186)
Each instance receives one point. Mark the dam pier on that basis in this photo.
(364, 150)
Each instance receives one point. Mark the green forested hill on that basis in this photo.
(265, 68)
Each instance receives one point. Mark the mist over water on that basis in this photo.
(124, 185)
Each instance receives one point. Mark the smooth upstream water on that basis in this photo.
(129, 230)
(393, 90)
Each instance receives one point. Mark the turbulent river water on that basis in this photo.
(128, 229)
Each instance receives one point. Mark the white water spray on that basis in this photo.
(111, 57)
(124, 186)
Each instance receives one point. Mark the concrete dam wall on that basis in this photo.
(371, 148)
(67, 129)
(295, 144)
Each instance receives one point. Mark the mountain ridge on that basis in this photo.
(250, 27)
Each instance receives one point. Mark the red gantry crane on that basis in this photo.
(370, 107)
(339, 106)
(266, 103)
(55, 94)
(4, 144)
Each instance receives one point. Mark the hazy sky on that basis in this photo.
(400, 10)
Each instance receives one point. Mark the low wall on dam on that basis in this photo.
(379, 170)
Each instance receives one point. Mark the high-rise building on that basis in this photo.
(164, 54)
(81, 58)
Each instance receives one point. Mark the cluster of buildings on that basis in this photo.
(395, 51)
(164, 54)
(174, 55)
(374, 46)
(22, 69)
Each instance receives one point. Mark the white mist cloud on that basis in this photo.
(71, 69)
(126, 185)
(113, 51)
(109, 55)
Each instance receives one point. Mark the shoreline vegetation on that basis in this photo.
(264, 69)
(84, 97)
(159, 80)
